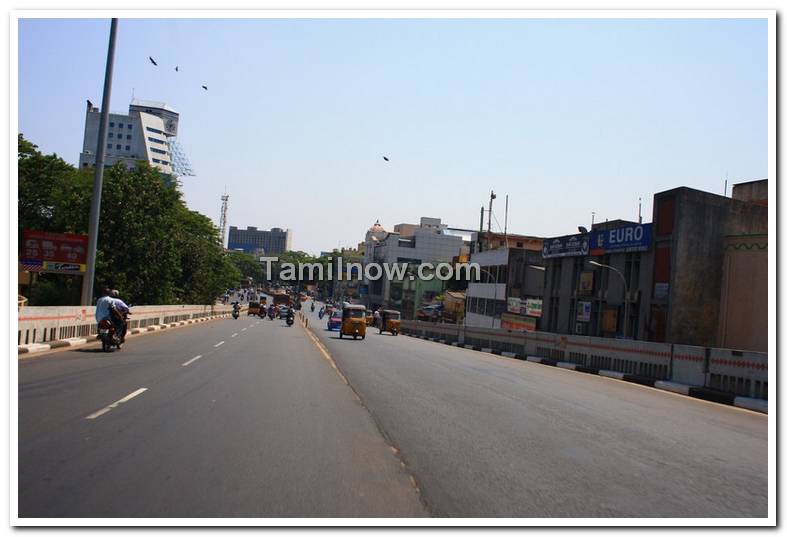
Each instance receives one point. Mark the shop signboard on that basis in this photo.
(517, 322)
(534, 307)
(567, 246)
(583, 311)
(514, 304)
(628, 238)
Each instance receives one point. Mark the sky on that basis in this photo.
(566, 117)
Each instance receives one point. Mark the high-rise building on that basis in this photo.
(147, 133)
(257, 241)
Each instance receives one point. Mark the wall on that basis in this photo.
(743, 317)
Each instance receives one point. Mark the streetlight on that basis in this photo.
(625, 295)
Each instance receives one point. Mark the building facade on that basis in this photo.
(147, 133)
(430, 242)
(260, 242)
(583, 295)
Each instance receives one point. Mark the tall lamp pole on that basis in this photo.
(98, 180)
(625, 296)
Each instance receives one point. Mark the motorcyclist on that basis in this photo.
(122, 310)
(312, 306)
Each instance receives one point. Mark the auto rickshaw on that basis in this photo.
(353, 321)
(390, 321)
(254, 308)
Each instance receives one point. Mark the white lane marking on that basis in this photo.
(197, 357)
(219, 344)
(235, 334)
(243, 329)
(106, 409)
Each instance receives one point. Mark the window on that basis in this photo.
(519, 244)
(111, 135)
(129, 125)
(128, 136)
(157, 161)
(111, 123)
(120, 125)
(156, 140)
(151, 129)
(118, 146)
(109, 146)
(156, 150)
(128, 148)
(165, 163)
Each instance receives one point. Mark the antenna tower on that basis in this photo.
(223, 221)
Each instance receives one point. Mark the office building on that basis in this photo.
(147, 133)
(260, 242)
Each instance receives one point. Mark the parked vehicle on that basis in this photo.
(431, 313)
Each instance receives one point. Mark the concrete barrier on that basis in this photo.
(45, 324)
(712, 373)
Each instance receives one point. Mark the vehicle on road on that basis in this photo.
(281, 298)
(284, 311)
(390, 321)
(353, 321)
(335, 320)
(370, 318)
(290, 317)
(107, 332)
(431, 313)
(254, 308)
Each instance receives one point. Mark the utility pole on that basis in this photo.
(481, 229)
(505, 223)
(98, 180)
(640, 210)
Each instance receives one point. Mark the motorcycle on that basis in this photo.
(108, 335)
(271, 315)
(312, 307)
(235, 314)
(290, 320)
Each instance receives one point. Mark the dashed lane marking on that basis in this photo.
(219, 344)
(197, 357)
(235, 334)
(106, 409)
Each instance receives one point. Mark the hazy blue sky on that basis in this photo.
(565, 116)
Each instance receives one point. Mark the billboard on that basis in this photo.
(583, 311)
(514, 304)
(628, 238)
(586, 282)
(55, 252)
(533, 307)
(516, 322)
(567, 246)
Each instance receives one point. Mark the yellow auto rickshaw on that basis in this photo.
(390, 321)
(254, 308)
(353, 321)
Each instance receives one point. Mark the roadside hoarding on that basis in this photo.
(628, 238)
(517, 322)
(514, 304)
(583, 311)
(586, 282)
(567, 246)
(534, 307)
(45, 251)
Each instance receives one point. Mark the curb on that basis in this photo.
(697, 392)
(33, 348)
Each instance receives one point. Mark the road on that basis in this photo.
(491, 436)
(263, 425)
(260, 426)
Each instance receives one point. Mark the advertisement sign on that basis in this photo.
(609, 320)
(586, 282)
(628, 238)
(583, 312)
(54, 252)
(533, 307)
(517, 322)
(567, 246)
(514, 304)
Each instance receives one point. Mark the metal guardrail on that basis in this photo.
(742, 373)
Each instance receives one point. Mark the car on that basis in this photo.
(429, 313)
(335, 320)
(283, 311)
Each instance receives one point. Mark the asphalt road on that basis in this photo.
(258, 426)
(488, 436)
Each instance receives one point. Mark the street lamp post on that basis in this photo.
(95, 205)
(625, 295)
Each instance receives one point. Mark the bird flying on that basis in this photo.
(386, 159)
(205, 87)
(152, 60)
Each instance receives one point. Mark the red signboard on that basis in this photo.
(54, 247)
